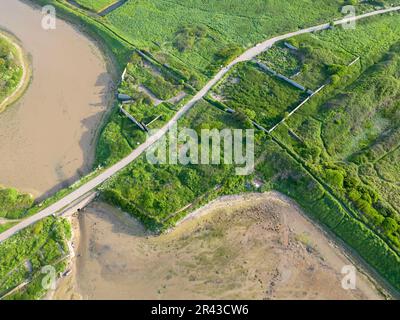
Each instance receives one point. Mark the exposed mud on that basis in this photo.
(252, 247)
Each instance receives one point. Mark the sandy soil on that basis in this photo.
(252, 247)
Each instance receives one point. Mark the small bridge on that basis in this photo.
(79, 204)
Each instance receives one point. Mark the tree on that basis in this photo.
(335, 79)
(148, 200)
(334, 178)
(242, 118)
(336, 69)
(390, 225)
(311, 153)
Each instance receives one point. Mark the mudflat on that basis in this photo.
(258, 246)
(47, 139)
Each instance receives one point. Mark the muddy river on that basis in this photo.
(47, 139)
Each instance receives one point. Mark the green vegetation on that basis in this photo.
(156, 95)
(285, 174)
(326, 55)
(315, 60)
(343, 136)
(24, 255)
(282, 60)
(18, 206)
(259, 96)
(345, 140)
(337, 157)
(95, 5)
(142, 73)
(341, 149)
(5, 226)
(157, 194)
(113, 145)
(10, 68)
(13, 205)
(197, 37)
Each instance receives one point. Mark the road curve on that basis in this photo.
(101, 178)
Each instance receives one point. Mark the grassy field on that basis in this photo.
(352, 122)
(259, 96)
(156, 193)
(328, 53)
(23, 256)
(282, 60)
(196, 37)
(95, 5)
(156, 95)
(154, 78)
(10, 69)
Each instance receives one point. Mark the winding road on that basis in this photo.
(101, 178)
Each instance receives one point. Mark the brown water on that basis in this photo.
(47, 139)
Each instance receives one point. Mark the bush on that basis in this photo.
(334, 178)
(390, 225)
(372, 214)
(112, 145)
(13, 204)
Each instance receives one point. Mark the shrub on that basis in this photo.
(390, 225)
(334, 177)
(13, 204)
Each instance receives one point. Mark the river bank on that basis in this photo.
(257, 246)
(56, 123)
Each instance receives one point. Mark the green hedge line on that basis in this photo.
(371, 248)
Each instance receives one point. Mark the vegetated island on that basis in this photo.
(14, 79)
(14, 70)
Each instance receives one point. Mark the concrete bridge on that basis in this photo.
(79, 204)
